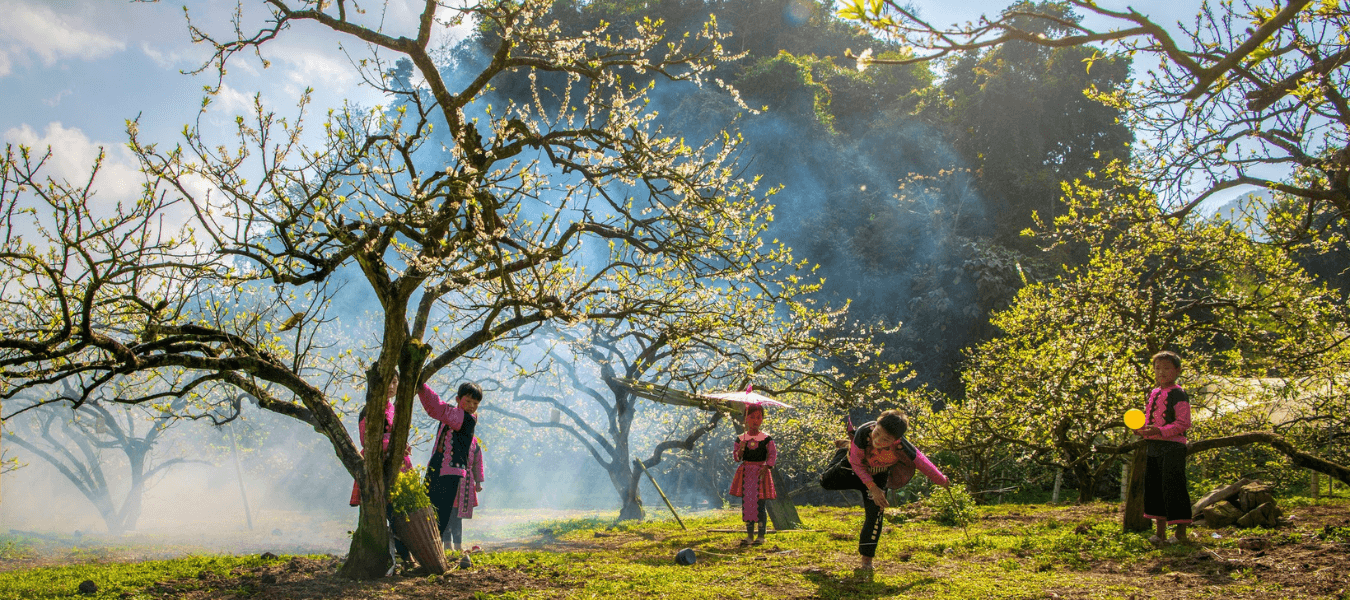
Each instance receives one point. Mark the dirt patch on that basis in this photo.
(1310, 558)
(1306, 571)
(303, 578)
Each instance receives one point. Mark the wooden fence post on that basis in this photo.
(1132, 513)
(781, 510)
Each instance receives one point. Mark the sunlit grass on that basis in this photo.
(916, 559)
(1008, 551)
(116, 580)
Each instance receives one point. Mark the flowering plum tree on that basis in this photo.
(523, 214)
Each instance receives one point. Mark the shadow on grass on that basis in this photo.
(860, 584)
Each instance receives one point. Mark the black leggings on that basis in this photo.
(443, 490)
(840, 476)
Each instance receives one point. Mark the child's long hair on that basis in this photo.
(894, 422)
(751, 409)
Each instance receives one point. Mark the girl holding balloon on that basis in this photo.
(1163, 425)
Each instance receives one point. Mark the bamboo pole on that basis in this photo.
(2, 460)
(663, 495)
(239, 472)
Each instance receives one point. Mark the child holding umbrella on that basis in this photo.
(753, 482)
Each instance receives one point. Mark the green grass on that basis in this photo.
(16, 547)
(115, 579)
(916, 558)
(1008, 551)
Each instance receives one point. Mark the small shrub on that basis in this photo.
(954, 507)
(1336, 534)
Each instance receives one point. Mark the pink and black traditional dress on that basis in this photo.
(754, 481)
(1166, 492)
(890, 467)
(467, 497)
(399, 546)
(388, 424)
(456, 463)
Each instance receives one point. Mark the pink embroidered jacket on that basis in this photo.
(361, 435)
(900, 460)
(453, 417)
(468, 491)
(766, 453)
(1168, 409)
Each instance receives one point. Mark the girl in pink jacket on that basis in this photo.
(1167, 414)
(399, 548)
(455, 472)
(878, 457)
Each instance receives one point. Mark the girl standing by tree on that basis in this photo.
(399, 549)
(753, 482)
(1167, 499)
(455, 472)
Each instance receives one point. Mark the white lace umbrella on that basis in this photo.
(748, 397)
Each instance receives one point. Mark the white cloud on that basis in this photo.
(315, 66)
(231, 101)
(73, 154)
(34, 30)
(119, 179)
(56, 100)
(169, 60)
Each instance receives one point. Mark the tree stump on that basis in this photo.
(1221, 514)
(782, 512)
(1253, 495)
(1132, 518)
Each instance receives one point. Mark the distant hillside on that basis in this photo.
(1251, 204)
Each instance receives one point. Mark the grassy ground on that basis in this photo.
(1010, 551)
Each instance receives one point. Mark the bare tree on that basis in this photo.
(704, 340)
(87, 445)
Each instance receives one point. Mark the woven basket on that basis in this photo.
(421, 535)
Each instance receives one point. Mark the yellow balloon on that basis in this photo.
(1134, 418)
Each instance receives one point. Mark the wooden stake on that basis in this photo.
(663, 495)
(1132, 513)
(239, 472)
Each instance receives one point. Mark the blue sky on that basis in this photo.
(72, 72)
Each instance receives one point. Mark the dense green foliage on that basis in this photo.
(408, 494)
(1074, 351)
(953, 506)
